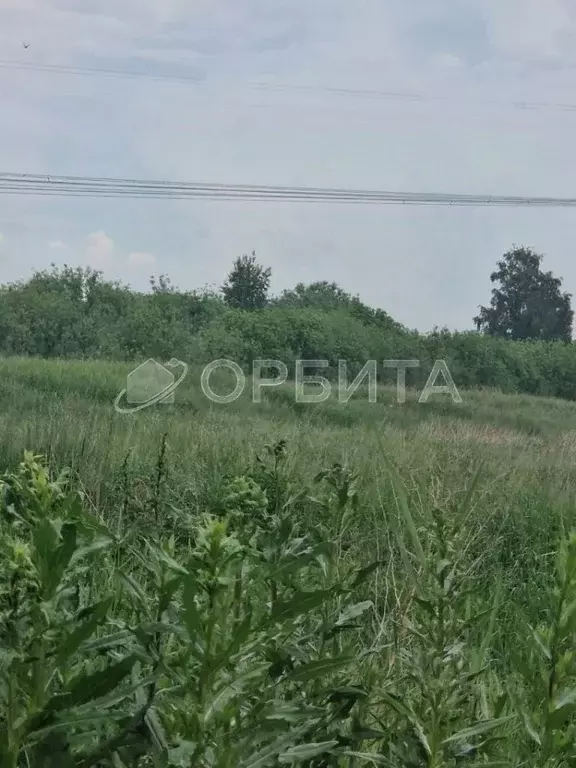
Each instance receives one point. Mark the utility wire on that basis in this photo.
(86, 186)
(373, 94)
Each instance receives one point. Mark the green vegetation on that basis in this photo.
(282, 584)
(529, 304)
(247, 285)
(259, 585)
(72, 313)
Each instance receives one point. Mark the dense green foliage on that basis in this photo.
(529, 303)
(247, 284)
(260, 585)
(76, 313)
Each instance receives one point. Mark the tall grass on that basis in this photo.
(383, 584)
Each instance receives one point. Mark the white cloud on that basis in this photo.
(448, 60)
(141, 259)
(532, 29)
(1, 238)
(57, 245)
(99, 249)
(427, 266)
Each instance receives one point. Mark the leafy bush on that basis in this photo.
(234, 654)
(248, 637)
(74, 313)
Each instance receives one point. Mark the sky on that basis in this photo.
(281, 92)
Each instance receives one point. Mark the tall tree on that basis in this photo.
(528, 303)
(247, 284)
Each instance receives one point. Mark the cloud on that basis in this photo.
(141, 259)
(99, 249)
(448, 60)
(2, 238)
(426, 266)
(547, 30)
(57, 245)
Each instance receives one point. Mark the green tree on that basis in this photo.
(528, 303)
(247, 284)
(55, 313)
(162, 284)
(319, 295)
(329, 296)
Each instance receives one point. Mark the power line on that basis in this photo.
(362, 93)
(60, 69)
(86, 186)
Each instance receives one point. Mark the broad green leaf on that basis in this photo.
(181, 756)
(367, 757)
(568, 618)
(422, 738)
(45, 540)
(61, 558)
(397, 705)
(46, 544)
(364, 573)
(478, 729)
(169, 561)
(113, 640)
(293, 713)
(295, 562)
(156, 731)
(234, 689)
(306, 751)
(123, 692)
(53, 751)
(541, 644)
(241, 634)
(91, 522)
(134, 590)
(90, 549)
(74, 640)
(262, 758)
(314, 669)
(562, 709)
(301, 603)
(353, 611)
(87, 687)
(221, 701)
(69, 721)
(365, 733)
(191, 616)
(567, 697)
(530, 730)
(167, 593)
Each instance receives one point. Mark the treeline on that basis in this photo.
(74, 313)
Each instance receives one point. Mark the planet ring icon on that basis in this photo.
(159, 396)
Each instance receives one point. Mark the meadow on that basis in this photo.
(275, 583)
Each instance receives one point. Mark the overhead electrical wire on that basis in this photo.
(362, 93)
(86, 186)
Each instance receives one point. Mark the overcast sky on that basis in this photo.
(473, 60)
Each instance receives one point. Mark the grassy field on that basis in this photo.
(465, 507)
